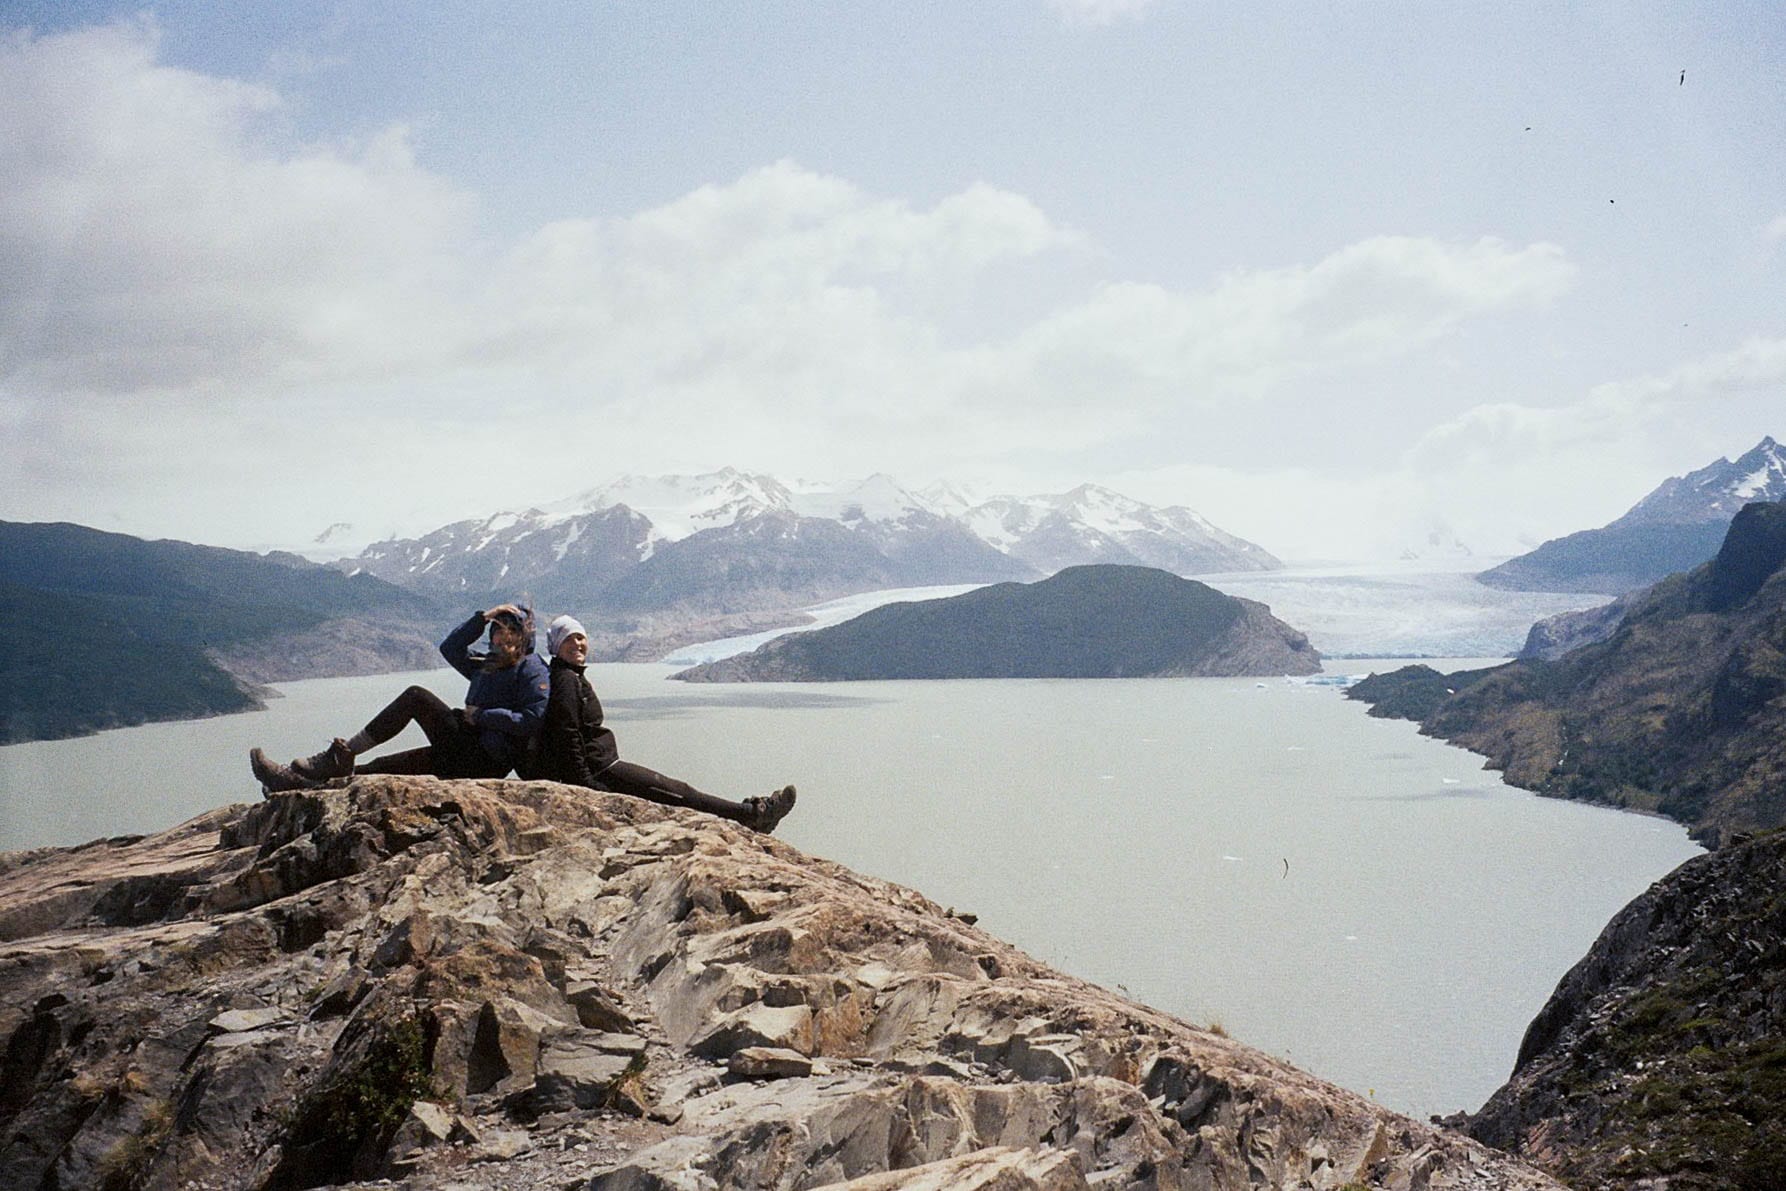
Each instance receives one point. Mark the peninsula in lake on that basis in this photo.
(1093, 621)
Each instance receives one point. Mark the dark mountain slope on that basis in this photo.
(1085, 622)
(1676, 527)
(1611, 560)
(106, 630)
(1682, 710)
(1662, 1054)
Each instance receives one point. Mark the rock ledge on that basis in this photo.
(479, 984)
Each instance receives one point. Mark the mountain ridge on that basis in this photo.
(730, 543)
(1677, 526)
(164, 630)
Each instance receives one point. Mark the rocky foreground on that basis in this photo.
(508, 984)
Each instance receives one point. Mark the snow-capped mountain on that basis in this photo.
(680, 506)
(1715, 492)
(1093, 524)
(1675, 528)
(731, 542)
(557, 558)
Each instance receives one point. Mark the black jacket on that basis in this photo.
(574, 747)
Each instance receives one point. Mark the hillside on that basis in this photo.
(1681, 711)
(1085, 622)
(1662, 1054)
(1676, 527)
(522, 985)
(134, 631)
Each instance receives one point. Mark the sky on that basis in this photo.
(1349, 280)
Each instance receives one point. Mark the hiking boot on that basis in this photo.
(276, 778)
(770, 809)
(334, 761)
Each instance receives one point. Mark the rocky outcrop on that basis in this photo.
(522, 985)
(1681, 711)
(1565, 632)
(1660, 1060)
(1085, 622)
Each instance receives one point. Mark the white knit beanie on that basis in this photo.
(560, 628)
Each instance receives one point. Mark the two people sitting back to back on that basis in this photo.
(520, 714)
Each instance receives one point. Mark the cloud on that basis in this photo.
(177, 255)
(154, 235)
(1775, 231)
(1099, 12)
(1552, 470)
(1374, 300)
(1751, 373)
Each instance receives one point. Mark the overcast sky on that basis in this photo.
(1335, 276)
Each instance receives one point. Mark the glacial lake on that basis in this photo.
(1338, 890)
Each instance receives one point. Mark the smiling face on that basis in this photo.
(574, 649)
(507, 642)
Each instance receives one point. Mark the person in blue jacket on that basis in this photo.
(488, 737)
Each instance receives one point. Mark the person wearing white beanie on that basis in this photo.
(560, 628)
(577, 749)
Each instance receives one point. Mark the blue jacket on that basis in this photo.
(511, 702)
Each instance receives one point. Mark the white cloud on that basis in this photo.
(1099, 12)
(1775, 231)
(1374, 300)
(176, 254)
(151, 236)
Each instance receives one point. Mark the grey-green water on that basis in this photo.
(1331, 888)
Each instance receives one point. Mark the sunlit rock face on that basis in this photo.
(524, 985)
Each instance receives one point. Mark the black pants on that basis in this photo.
(452, 750)
(623, 777)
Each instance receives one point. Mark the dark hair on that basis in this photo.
(522, 624)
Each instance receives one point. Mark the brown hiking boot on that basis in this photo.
(334, 761)
(276, 778)
(770, 809)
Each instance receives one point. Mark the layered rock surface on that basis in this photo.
(521, 985)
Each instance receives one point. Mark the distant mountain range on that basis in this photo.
(676, 558)
(106, 630)
(1098, 621)
(1674, 528)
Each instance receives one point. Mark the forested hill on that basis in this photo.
(1085, 622)
(105, 630)
(1682, 710)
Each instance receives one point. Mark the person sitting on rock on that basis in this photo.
(487, 737)
(576, 749)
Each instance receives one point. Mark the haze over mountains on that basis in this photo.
(730, 543)
(1675, 528)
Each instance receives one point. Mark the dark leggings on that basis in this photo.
(623, 777)
(452, 750)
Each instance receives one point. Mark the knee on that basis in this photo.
(411, 694)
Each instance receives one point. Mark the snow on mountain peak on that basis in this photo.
(678, 506)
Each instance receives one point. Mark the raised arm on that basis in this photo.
(456, 649)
